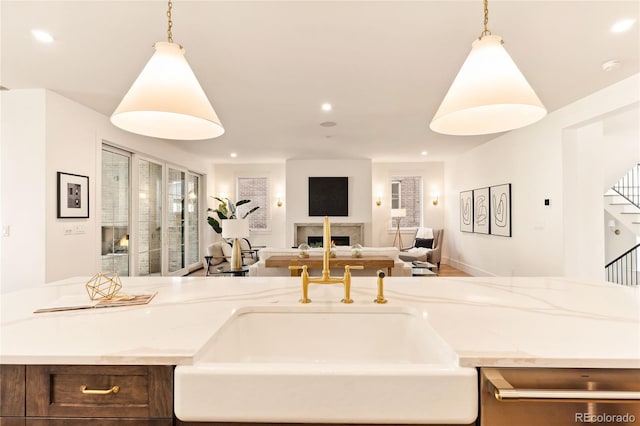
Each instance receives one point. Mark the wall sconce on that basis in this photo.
(435, 201)
(379, 199)
(279, 200)
(612, 227)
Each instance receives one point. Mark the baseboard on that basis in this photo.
(469, 269)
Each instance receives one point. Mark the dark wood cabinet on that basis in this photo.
(12, 421)
(12, 393)
(73, 395)
(97, 422)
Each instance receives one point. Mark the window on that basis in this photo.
(156, 232)
(396, 193)
(150, 227)
(256, 190)
(406, 193)
(115, 211)
(193, 215)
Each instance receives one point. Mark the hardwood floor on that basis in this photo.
(450, 271)
(445, 271)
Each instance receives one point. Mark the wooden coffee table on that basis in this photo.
(368, 262)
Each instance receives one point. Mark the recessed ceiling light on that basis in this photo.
(42, 36)
(326, 106)
(611, 65)
(328, 123)
(424, 153)
(233, 154)
(622, 25)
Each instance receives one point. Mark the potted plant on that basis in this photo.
(304, 250)
(227, 210)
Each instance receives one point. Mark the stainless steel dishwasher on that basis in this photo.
(559, 397)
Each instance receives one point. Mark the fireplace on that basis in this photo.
(317, 241)
(354, 231)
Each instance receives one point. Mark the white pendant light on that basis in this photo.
(166, 101)
(489, 94)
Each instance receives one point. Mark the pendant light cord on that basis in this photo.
(170, 22)
(486, 31)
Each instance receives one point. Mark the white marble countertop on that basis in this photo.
(532, 322)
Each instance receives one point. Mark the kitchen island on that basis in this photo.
(488, 322)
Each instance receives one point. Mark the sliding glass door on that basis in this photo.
(176, 183)
(159, 232)
(149, 218)
(115, 211)
(193, 218)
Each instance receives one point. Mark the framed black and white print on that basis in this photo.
(466, 211)
(73, 196)
(481, 209)
(500, 196)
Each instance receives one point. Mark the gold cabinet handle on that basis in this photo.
(85, 391)
(503, 390)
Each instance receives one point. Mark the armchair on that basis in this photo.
(219, 255)
(420, 250)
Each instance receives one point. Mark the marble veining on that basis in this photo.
(488, 321)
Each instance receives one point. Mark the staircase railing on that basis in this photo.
(624, 269)
(629, 186)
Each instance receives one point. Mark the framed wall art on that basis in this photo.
(500, 196)
(481, 208)
(73, 196)
(466, 211)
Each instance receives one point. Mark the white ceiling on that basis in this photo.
(267, 66)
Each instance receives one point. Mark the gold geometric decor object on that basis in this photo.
(104, 286)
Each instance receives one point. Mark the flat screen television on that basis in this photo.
(328, 196)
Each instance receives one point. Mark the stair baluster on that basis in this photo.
(624, 269)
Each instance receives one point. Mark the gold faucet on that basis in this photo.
(326, 276)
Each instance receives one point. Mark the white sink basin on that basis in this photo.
(326, 364)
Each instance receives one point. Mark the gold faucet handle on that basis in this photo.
(303, 274)
(349, 267)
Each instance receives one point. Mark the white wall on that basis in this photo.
(432, 183)
(43, 133)
(583, 201)
(360, 198)
(541, 162)
(224, 185)
(22, 190)
(621, 142)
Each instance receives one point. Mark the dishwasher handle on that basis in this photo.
(503, 390)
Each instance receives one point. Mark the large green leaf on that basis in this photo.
(250, 211)
(215, 225)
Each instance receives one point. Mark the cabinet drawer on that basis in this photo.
(12, 421)
(99, 391)
(97, 422)
(11, 392)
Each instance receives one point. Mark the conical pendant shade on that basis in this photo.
(489, 94)
(166, 101)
